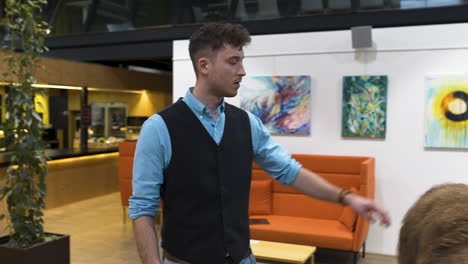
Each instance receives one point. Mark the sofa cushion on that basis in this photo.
(127, 148)
(340, 180)
(348, 216)
(304, 231)
(300, 205)
(260, 197)
(343, 180)
(259, 174)
(125, 178)
(280, 188)
(331, 164)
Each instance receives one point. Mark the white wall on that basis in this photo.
(404, 168)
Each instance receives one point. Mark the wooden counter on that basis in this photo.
(74, 176)
(79, 178)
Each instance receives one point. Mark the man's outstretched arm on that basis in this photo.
(315, 186)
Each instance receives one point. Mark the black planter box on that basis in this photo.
(51, 252)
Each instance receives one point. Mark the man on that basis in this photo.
(197, 156)
(435, 229)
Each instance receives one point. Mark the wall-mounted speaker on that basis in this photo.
(361, 37)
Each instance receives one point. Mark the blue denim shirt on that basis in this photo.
(153, 154)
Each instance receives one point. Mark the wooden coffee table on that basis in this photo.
(283, 252)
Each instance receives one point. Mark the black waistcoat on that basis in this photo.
(206, 187)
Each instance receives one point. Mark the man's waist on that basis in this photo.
(227, 259)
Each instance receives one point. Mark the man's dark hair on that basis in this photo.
(211, 37)
(435, 229)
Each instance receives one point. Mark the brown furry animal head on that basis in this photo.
(435, 229)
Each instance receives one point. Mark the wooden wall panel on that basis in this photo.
(63, 72)
(145, 104)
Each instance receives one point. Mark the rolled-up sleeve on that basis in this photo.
(270, 156)
(151, 157)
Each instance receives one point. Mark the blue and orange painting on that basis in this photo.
(447, 111)
(281, 102)
(364, 106)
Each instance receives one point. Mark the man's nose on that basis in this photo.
(242, 71)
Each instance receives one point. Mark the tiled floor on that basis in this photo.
(98, 235)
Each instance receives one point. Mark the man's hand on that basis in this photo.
(366, 208)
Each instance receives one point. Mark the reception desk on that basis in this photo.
(75, 175)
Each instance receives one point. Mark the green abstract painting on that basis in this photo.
(364, 106)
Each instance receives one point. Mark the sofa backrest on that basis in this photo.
(343, 171)
(126, 152)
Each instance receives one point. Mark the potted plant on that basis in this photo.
(24, 186)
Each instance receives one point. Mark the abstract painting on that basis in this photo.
(447, 111)
(364, 106)
(282, 103)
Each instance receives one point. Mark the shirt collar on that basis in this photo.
(197, 106)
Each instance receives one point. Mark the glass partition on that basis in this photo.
(79, 16)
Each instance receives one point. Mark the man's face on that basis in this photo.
(226, 71)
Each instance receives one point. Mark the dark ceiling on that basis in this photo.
(161, 64)
(151, 47)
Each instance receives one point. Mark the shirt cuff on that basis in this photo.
(136, 210)
(290, 174)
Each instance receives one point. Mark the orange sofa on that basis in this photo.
(126, 152)
(296, 218)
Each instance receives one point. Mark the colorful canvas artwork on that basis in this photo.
(447, 111)
(364, 106)
(281, 102)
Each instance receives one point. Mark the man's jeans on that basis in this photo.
(249, 260)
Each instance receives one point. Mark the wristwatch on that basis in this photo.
(342, 194)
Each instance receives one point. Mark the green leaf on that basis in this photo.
(36, 115)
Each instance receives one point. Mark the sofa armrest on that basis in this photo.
(362, 227)
(367, 189)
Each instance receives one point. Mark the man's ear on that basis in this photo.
(203, 65)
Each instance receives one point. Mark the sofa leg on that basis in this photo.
(124, 215)
(364, 249)
(355, 257)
